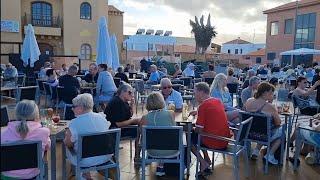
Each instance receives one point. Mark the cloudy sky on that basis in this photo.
(232, 18)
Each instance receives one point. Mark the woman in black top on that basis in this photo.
(119, 113)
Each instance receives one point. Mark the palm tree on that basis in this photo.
(203, 33)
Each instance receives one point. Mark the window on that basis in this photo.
(240, 51)
(228, 51)
(288, 24)
(271, 56)
(305, 32)
(85, 51)
(274, 28)
(85, 11)
(236, 51)
(258, 60)
(41, 14)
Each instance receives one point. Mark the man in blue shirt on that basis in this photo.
(154, 76)
(170, 94)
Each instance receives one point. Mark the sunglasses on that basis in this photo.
(167, 87)
(74, 106)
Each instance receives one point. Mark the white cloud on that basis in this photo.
(241, 18)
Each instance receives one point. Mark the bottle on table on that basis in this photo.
(185, 111)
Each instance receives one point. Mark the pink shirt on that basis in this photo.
(36, 133)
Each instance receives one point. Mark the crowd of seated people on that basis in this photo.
(257, 97)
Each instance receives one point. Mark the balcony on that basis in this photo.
(44, 25)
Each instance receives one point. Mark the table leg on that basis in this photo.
(53, 157)
(189, 126)
(64, 168)
(288, 121)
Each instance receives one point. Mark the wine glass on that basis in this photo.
(43, 117)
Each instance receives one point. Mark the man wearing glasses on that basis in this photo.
(170, 94)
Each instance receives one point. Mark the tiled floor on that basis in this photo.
(222, 169)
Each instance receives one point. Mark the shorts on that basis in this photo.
(194, 141)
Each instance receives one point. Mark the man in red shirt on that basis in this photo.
(211, 119)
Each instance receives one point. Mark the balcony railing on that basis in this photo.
(42, 20)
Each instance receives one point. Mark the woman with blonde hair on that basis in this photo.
(158, 116)
(27, 126)
(220, 91)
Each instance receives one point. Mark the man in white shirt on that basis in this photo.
(85, 122)
(170, 94)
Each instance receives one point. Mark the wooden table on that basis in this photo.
(8, 88)
(55, 133)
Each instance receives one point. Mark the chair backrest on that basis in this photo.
(47, 88)
(68, 113)
(233, 87)
(28, 92)
(176, 87)
(40, 84)
(139, 86)
(244, 130)
(177, 81)
(162, 137)
(261, 126)
(59, 92)
(21, 80)
(4, 116)
(98, 144)
(293, 82)
(186, 81)
(208, 80)
(139, 76)
(283, 94)
(117, 81)
(21, 155)
(294, 101)
(196, 80)
(131, 75)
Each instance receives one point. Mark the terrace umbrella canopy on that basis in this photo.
(30, 48)
(115, 52)
(299, 52)
(104, 54)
